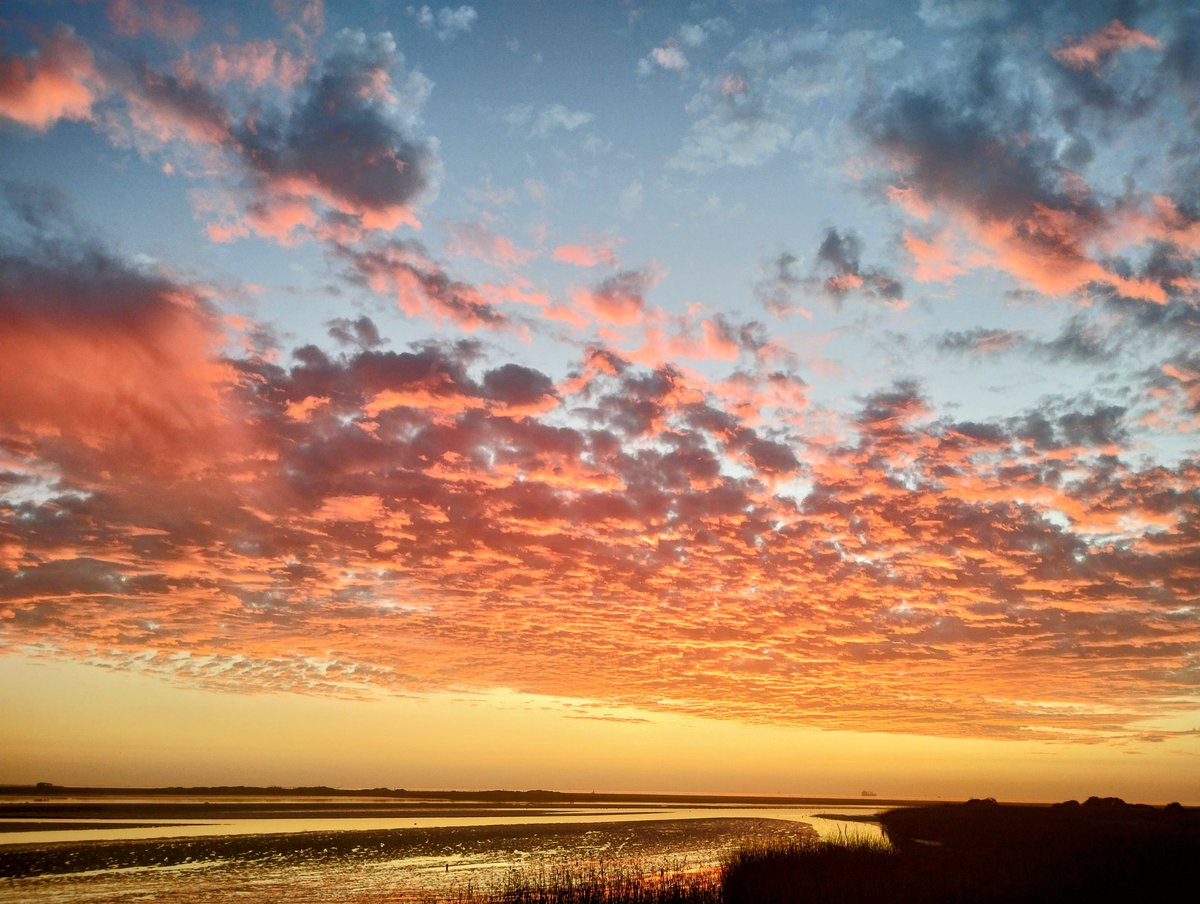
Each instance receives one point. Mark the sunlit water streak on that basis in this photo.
(192, 828)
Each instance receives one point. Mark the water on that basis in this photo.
(403, 858)
(191, 828)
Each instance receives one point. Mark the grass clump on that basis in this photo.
(599, 883)
(849, 868)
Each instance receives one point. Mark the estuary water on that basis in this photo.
(78, 830)
(408, 855)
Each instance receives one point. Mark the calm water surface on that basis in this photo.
(191, 828)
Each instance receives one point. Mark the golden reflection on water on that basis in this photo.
(648, 839)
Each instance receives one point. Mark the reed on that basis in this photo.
(599, 882)
(975, 852)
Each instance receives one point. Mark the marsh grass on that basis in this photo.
(757, 871)
(960, 853)
(599, 882)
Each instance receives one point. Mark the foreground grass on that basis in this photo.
(746, 875)
(600, 883)
(976, 852)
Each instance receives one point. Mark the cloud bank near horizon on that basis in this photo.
(512, 455)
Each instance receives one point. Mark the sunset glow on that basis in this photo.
(608, 396)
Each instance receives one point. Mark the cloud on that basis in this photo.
(543, 122)
(669, 55)
(122, 359)
(619, 300)
(305, 19)
(586, 255)
(361, 332)
(962, 13)
(934, 258)
(1019, 214)
(980, 341)
(747, 113)
(778, 288)
(837, 273)
(350, 143)
(253, 63)
(336, 149)
(839, 257)
(165, 19)
(182, 494)
(1093, 51)
(476, 240)
(1078, 342)
(403, 270)
(517, 390)
(58, 81)
(396, 512)
(448, 22)
(163, 108)
(1173, 395)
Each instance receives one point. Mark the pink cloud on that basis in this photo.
(59, 81)
(123, 362)
(1053, 249)
(586, 255)
(934, 260)
(253, 63)
(420, 286)
(619, 300)
(164, 108)
(165, 19)
(277, 216)
(1047, 250)
(1093, 50)
(476, 240)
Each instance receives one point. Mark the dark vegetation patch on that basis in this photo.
(982, 851)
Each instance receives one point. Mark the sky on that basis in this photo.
(728, 396)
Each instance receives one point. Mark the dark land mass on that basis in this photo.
(982, 851)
